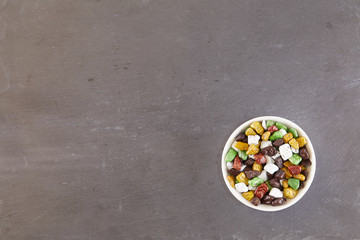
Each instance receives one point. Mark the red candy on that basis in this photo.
(294, 169)
(260, 158)
(261, 190)
(237, 163)
(272, 129)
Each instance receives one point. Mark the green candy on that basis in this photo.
(294, 132)
(295, 159)
(281, 126)
(236, 181)
(230, 155)
(294, 183)
(276, 135)
(269, 123)
(255, 182)
(243, 155)
(268, 184)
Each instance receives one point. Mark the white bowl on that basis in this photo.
(311, 169)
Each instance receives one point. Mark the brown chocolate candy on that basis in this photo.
(278, 142)
(279, 162)
(303, 152)
(241, 137)
(275, 182)
(267, 199)
(280, 174)
(234, 172)
(249, 162)
(306, 162)
(255, 200)
(250, 174)
(270, 151)
(278, 201)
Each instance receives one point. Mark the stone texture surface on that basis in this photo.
(113, 115)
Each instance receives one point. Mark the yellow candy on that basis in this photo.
(285, 184)
(242, 178)
(301, 141)
(294, 143)
(287, 137)
(266, 136)
(299, 176)
(289, 192)
(288, 163)
(241, 145)
(287, 173)
(257, 167)
(302, 167)
(253, 149)
(231, 180)
(250, 131)
(257, 127)
(248, 195)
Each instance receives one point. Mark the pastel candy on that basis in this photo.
(271, 168)
(285, 151)
(255, 182)
(241, 187)
(230, 155)
(276, 193)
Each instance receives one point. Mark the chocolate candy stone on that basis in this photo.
(234, 172)
(276, 135)
(251, 174)
(295, 159)
(278, 201)
(275, 182)
(255, 200)
(294, 183)
(230, 155)
(249, 162)
(281, 126)
(241, 138)
(294, 132)
(304, 154)
(278, 142)
(270, 151)
(306, 162)
(267, 199)
(269, 175)
(280, 174)
(305, 173)
(279, 162)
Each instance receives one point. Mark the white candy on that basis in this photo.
(269, 159)
(294, 150)
(276, 193)
(229, 165)
(251, 156)
(253, 139)
(264, 125)
(241, 187)
(281, 181)
(243, 166)
(263, 175)
(233, 146)
(285, 151)
(271, 168)
(251, 187)
(283, 132)
(276, 155)
(265, 144)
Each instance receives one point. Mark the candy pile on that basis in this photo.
(268, 163)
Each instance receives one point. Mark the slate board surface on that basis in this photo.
(113, 115)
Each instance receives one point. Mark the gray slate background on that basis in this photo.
(113, 115)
